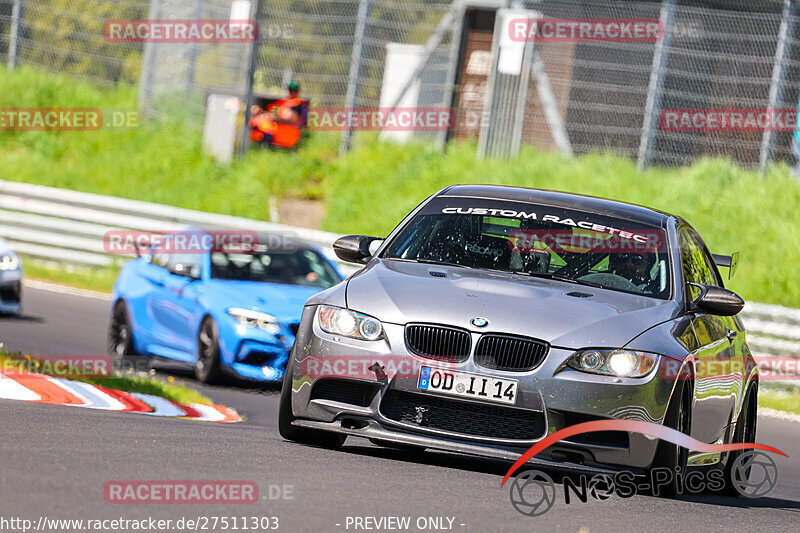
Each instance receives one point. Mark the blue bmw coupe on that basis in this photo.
(222, 312)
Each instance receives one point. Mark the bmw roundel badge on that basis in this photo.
(479, 322)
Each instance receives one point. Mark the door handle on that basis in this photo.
(732, 334)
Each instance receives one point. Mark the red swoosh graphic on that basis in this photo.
(633, 426)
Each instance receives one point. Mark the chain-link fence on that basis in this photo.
(574, 95)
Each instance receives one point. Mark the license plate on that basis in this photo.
(467, 385)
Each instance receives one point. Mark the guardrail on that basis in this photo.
(68, 226)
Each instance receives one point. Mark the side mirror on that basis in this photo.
(187, 271)
(716, 300)
(355, 248)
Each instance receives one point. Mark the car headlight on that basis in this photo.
(256, 319)
(621, 363)
(339, 321)
(9, 262)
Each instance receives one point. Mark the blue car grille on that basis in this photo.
(510, 352)
(11, 293)
(260, 358)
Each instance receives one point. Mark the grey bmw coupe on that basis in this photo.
(493, 316)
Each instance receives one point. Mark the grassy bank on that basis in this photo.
(157, 162)
(168, 387)
(371, 189)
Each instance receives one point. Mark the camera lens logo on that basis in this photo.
(754, 474)
(533, 493)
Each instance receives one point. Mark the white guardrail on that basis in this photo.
(68, 226)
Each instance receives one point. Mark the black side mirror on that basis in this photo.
(716, 300)
(354, 248)
(187, 271)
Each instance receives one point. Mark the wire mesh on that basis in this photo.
(720, 55)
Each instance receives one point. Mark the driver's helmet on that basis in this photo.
(634, 266)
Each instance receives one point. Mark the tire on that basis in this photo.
(746, 426)
(207, 368)
(671, 456)
(321, 439)
(120, 335)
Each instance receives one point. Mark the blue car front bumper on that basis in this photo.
(253, 354)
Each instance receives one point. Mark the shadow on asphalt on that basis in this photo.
(499, 468)
(20, 317)
(186, 373)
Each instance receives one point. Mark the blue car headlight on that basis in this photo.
(9, 262)
(257, 319)
(347, 323)
(619, 363)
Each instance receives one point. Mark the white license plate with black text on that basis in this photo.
(467, 385)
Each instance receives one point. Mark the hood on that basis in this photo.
(284, 302)
(566, 315)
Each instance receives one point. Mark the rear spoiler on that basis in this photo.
(730, 262)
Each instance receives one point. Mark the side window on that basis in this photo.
(697, 266)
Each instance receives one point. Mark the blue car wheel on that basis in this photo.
(207, 368)
(120, 334)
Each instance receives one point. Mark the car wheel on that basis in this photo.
(120, 334)
(207, 367)
(322, 439)
(671, 456)
(745, 432)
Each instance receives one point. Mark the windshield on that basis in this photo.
(297, 267)
(538, 241)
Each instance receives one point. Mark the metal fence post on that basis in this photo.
(244, 143)
(17, 16)
(148, 64)
(353, 79)
(193, 50)
(782, 54)
(654, 91)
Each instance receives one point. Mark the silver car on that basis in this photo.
(493, 316)
(10, 279)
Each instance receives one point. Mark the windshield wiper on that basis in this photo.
(427, 262)
(547, 275)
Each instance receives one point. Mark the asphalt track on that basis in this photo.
(56, 460)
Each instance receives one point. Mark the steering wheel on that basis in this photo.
(612, 281)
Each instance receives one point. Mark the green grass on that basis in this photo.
(371, 189)
(82, 277)
(167, 387)
(158, 162)
(780, 400)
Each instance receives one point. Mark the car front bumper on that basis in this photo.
(556, 395)
(252, 354)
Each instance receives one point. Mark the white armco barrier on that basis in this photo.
(68, 226)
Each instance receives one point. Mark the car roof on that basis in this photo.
(600, 206)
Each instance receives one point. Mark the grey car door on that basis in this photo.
(715, 387)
